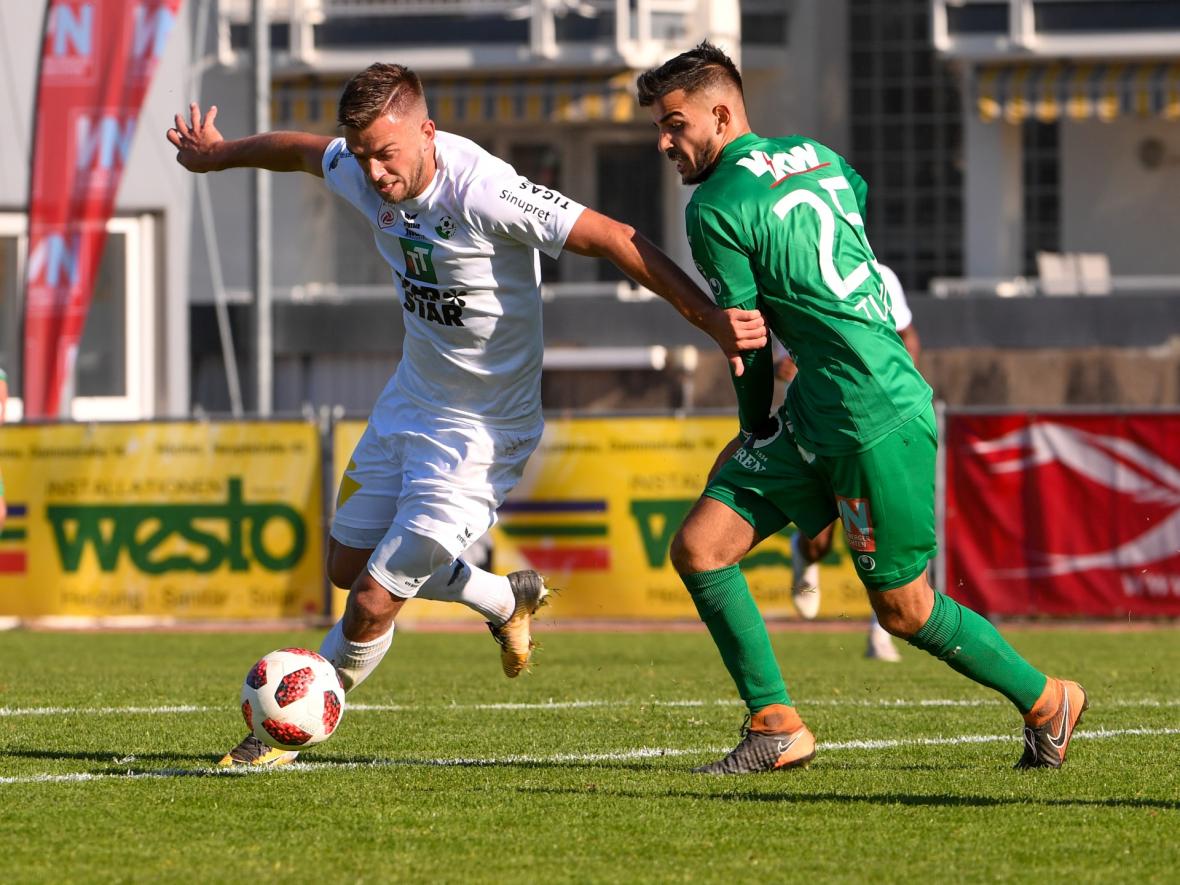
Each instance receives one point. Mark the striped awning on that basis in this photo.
(1077, 91)
(310, 102)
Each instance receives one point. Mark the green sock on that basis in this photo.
(969, 644)
(724, 603)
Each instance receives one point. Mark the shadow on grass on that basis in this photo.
(190, 766)
(913, 799)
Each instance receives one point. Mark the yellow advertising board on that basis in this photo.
(169, 520)
(596, 512)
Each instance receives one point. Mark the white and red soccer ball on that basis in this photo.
(292, 698)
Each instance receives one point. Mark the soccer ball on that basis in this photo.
(292, 698)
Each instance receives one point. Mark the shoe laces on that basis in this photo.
(248, 750)
(744, 730)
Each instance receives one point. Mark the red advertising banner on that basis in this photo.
(1064, 514)
(97, 60)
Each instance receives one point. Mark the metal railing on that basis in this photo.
(1023, 287)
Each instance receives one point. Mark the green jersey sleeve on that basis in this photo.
(715, 239)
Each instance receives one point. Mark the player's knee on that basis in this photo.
(903, 611)
(901, 624)
(689, 553)
(402, 563)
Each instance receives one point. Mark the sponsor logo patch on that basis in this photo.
(419, 264)
(858, 523)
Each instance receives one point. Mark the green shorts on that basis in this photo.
(884, 496)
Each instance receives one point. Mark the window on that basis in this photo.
(629, 177)
(1042, 191)
(115, 369)
(905, 137)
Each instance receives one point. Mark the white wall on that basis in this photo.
(1112, 203)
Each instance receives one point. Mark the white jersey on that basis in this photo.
(464, 258)
(903, 318)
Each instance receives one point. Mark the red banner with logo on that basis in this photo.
(1064, 515)
(97, 60)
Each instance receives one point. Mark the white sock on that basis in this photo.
(354, 661)
(490, 595)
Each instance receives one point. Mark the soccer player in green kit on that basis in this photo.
(778, 224)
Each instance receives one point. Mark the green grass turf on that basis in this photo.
(540, 807)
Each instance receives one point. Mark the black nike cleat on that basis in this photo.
(764, 750)
(1045, 744)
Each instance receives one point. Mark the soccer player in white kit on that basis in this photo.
(449, 436)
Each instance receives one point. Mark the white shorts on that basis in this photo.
(431, 475)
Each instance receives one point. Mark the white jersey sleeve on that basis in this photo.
(508, 205)
(343, 176)
(903, 318)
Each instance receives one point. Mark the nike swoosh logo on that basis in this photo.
(783, 746)
(1058, 740)
(455, 574)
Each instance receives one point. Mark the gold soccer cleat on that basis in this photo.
(515, 634)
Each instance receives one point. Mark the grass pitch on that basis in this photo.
(444, 771)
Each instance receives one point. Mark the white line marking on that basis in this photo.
(100, 711)
(877, 703)
(558, 758)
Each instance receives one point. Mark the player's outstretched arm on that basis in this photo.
(599, 236)
(201, 148)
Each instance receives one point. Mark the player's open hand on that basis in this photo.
(196, 139)
(738, 331)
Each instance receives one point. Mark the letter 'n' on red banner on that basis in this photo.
(97, 60)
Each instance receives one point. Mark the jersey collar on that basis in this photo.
(739, 144)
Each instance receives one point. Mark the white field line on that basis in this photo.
(557, 758)
(882, 703)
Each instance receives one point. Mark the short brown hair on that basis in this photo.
(701, 67)
(378, 90)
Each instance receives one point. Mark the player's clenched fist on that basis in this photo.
(196, 139)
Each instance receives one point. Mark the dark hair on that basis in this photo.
(701, 67)
(378, 90)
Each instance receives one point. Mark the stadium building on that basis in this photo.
(1013, 148)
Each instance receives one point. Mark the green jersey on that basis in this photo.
(779, 225)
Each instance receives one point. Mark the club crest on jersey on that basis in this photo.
(858, 523)
(446, 228)
(386, 216)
